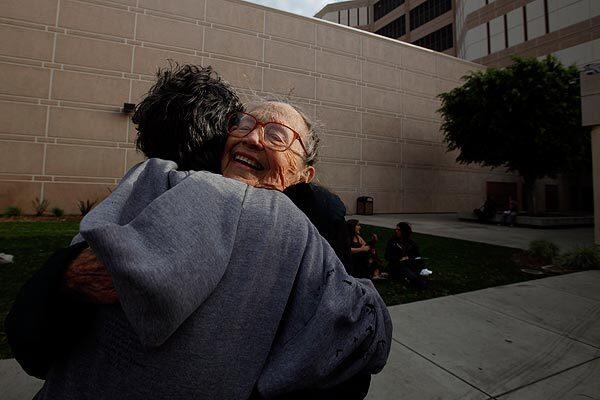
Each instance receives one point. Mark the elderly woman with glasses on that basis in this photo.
(273, 145)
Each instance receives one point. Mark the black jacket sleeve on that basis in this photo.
(43, 322)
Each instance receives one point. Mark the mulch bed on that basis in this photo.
(530, 264)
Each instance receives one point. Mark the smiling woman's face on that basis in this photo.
(248, 160)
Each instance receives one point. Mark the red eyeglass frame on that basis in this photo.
(263, 124)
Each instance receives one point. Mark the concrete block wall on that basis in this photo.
(67, 67)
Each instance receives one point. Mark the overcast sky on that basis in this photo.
(302, 7)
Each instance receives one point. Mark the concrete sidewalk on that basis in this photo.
(533, 340)
(448, 225)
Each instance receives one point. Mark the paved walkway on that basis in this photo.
(533, 340)
(448, 225)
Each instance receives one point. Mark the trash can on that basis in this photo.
(364, 205)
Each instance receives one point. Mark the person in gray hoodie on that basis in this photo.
(226, 291)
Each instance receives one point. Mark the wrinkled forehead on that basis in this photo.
(272, 111)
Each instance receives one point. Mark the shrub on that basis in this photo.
(86, 207)
(13, 211)
(40, 207)
(544, 250)
(581, 258)
(58, 212)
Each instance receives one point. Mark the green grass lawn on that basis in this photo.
(458, 265)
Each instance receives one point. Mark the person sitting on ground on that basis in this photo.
(403, 256)
(509, 216)
(487, 211)
(363, 261)
(184, 255)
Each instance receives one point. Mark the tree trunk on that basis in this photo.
(529, 194)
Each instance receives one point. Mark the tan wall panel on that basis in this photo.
(290, 28)
(382, 100)
(85, 161)
(452, 182)
(133, 157)
(420, 107)
(334, 64)
(338, 119)
(382, 50)
(381, 125)
(240, 75)
(340, 147)
(380, 75)
(418, 180)
(236, 15)
(21, 157)
(417, 202)
(330, 174)
(186, 8)
(418, 154)
(289, 83)
(19, 194)
(148, 60)
(233, 44)
(169, 31)
(339, 39)
(139, 90)
(382, 151)
(24, 81)
(289, 55)
(93, 53)
(419, 60)
(26, 43)
(92, 18)
(444, 86)
(66, 195)
(90, 88)
(40, 11)
(21, 118)
(419, 130)
(87, 124)
(389, 178)
(339, 92)
(415, 82)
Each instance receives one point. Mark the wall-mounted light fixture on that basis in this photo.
(128, 108)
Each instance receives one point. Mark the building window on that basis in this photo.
(427, 11)
(383, 7)
(344, 17)
(363, 16)
(394, 29)
(439, 40)
(353, 16)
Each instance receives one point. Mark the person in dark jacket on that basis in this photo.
(53, 304)
(403, 256)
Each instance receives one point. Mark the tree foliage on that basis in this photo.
(525, 117)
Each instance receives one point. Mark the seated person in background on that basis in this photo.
(404, 257)
(509, 216)
(362, 257)
(487, 211)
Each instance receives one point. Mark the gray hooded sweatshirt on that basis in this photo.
(223, 288)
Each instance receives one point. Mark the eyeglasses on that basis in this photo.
(276, 136)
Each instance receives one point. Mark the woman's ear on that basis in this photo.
(308, 174)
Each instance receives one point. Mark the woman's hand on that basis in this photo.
(88, 277)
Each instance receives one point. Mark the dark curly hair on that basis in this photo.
(184, 117)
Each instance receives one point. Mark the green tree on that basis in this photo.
(525, 118)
